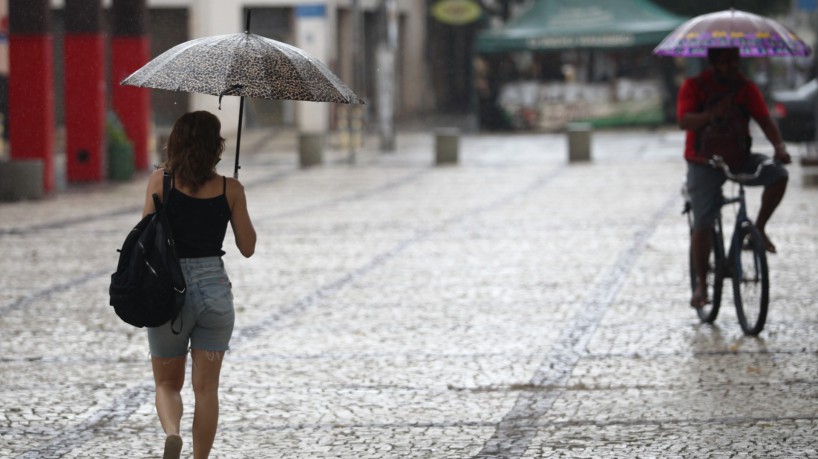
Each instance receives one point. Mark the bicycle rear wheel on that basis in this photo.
(715, 277)
(751, 283)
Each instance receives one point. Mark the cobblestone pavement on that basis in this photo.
(513, 305)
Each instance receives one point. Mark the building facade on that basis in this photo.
(343, 34)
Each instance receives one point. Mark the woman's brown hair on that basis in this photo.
(194, 148)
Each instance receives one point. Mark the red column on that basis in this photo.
(84, 55)
(31, 85)
(130, 50)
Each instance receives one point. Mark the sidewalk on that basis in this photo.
(512, 305)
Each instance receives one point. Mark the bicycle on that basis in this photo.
(745, 263)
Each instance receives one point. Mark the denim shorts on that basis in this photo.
(704, 186)
(207, 317)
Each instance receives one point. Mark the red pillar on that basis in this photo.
(31, 85)
(129, 51)
(84, 55)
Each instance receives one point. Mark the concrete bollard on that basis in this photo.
(310, 149)
(21, 179)
(579, 142)
(447, 145)
(809, 171)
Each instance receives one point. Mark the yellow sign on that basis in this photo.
(456, 12)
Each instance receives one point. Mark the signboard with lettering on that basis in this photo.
(456, 12)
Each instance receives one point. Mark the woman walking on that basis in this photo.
(200, 204)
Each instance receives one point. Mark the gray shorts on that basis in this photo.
(207, 317)
(704, 186)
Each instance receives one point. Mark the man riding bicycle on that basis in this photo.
(715, 108)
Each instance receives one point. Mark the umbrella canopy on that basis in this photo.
(753, 35)
(243, 64)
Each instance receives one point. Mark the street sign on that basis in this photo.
(807, 5)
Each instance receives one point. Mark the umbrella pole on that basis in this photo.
(241, 109)
(238, 139)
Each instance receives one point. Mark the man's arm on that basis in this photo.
(761, 115)
(772, 133)
(693, 121)
(687, 109)
(696, 120)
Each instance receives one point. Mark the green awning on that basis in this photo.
(565, 24)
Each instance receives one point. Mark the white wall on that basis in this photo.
(311, 36)
(207, 18)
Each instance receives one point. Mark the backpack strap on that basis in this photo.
(707, 87)
(166, 186)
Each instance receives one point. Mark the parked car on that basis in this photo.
(794, 111)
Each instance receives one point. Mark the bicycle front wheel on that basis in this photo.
(751, 283)
(715, 277)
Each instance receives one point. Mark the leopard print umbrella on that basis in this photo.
(246, 65)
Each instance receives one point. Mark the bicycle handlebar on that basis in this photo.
(718, 163)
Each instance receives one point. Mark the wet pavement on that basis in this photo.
(513, 305)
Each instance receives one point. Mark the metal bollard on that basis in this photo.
(310, 149)
(579, 142)
(21, 179)
(447, 144)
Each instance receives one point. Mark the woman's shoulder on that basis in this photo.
(234, 191)
(233, 184)
(155, 179)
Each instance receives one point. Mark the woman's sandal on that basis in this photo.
(173, 447)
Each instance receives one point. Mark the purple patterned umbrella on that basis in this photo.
(753, 35)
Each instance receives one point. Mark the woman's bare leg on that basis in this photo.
(207, 367)
(169, 377)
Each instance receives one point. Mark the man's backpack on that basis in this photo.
(148, 287)
(728, 137)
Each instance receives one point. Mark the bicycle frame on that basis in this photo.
(750, 281)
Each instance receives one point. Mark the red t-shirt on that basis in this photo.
(692, 97)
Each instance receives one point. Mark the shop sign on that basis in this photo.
(611, 40)
(456, 12)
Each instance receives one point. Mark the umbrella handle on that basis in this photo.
(238, 138)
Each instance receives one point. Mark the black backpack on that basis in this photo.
(728, 137)
(148, 287)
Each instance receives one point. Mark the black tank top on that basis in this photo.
(199, 225)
